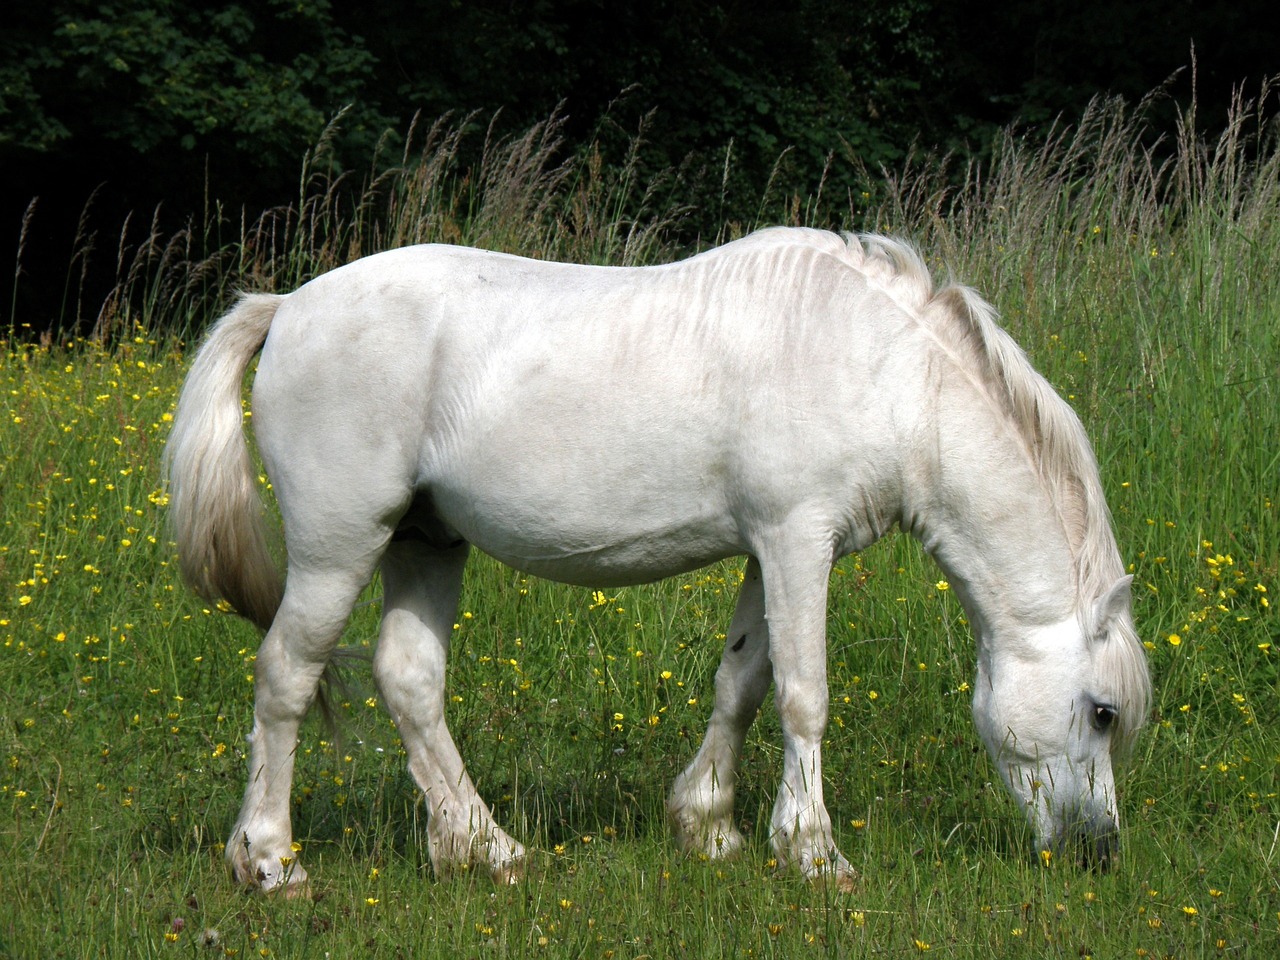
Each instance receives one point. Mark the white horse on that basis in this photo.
(790, 396)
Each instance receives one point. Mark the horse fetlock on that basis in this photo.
(700, 812)
(713, 837)
(282, 874)
(820, 862)
(832, 869)
(809, 848)
(723, 841)
(503, 856)
(492, 850)
(509, 868)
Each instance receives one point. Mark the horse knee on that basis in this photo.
(803, 713)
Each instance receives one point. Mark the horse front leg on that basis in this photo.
(795, 584)
(701, 804)
(421, 587)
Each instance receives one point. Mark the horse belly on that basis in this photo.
(610, 563)
(578, 510)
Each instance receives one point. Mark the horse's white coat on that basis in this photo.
(790, 397)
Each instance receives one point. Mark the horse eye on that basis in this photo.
(1103, 715)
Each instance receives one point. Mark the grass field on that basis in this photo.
(1147, 293)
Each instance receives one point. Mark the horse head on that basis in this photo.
(1057, 706)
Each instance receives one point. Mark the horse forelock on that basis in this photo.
(1052, 432)
(1121, 658)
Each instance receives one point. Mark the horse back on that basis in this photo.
(586, 423)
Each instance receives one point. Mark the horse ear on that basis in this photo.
(1108, 607)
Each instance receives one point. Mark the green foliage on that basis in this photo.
(251, 80)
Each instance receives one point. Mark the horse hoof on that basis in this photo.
(838, 874)
(291, 891)
(291, 885)
(846, 881)
(509, 873)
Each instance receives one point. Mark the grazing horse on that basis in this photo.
(789, 397)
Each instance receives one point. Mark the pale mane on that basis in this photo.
(1054, 436)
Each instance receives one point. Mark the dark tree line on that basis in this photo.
(163, 100)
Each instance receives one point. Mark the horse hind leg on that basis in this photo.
(421, 584)
(701, 804)
(290, 662)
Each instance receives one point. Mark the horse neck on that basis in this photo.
(976, 501)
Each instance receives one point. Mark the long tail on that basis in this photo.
(217, 513)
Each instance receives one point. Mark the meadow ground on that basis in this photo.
(1146, 293)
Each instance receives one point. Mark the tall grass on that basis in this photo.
(1138, 277)
(456, 181)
